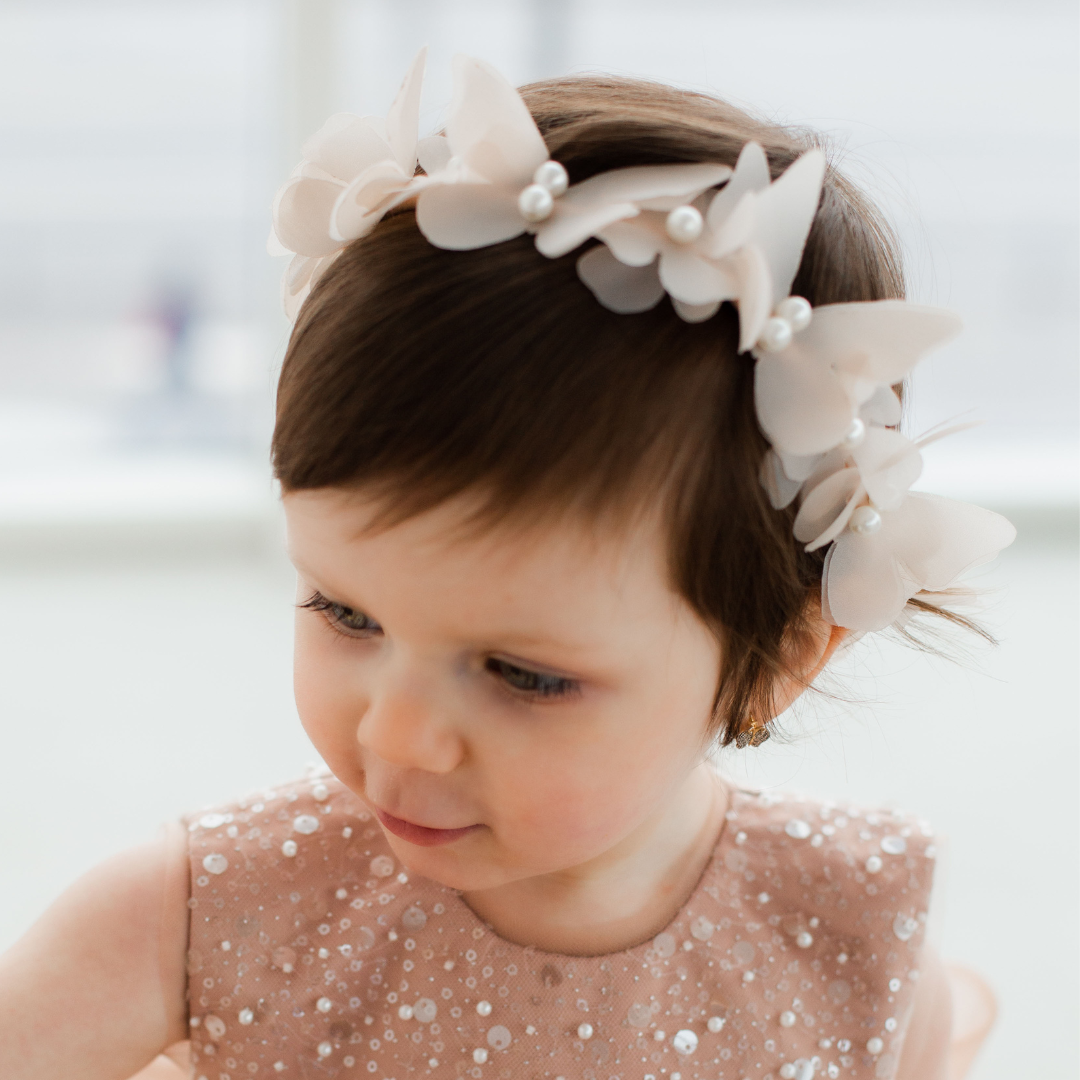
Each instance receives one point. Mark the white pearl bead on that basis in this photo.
(787, 1071)
(874, 864)
(787, 1019)
(685, 1041)
(325, 1049)
(405, 1012)
(865, 520)
(855, 434)
(685, 224)
(479, 1056)
(246, 1016)
(585, 1031)
(552, 177)
(536, 203)
(797, 311)
(483, 1008)
(805, 939)
(716, 1023)
(776, 335)
(324, 1004)
(875, 1045)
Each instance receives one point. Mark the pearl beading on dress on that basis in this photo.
(795, 957)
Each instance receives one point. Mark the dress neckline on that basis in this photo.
(474, 922)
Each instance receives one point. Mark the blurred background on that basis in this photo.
(145, 602)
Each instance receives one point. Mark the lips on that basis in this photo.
(421, 835)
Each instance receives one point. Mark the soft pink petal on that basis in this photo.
(936, 539)
(786, 210)
(620, 288)
(274, 246)
(363, 202)
(751, 174)
(888, 464)
(311, 170)
(801, 408)
(403, 118)
(882, 407)
(755, 293)
(640, 183)
(569, 226)
(776, 481)
(298, 273)
(825, 510)
(433, 153)
(589, 207)
(801, 466)
(690, 278)
(863, 586)
(736, 230)
(299, 279)
(924, 546)
(826, 611)
(847, 352)
(694, 313)
(486, 108)
(302, 215)
(877, 340)
(346, 145)
(465, 216)
(636, 242)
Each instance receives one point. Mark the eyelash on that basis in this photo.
(541, 686)
(520, 680)
(338, 614)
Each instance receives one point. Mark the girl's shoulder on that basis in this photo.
(810, 864)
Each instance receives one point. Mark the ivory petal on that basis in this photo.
(461, 217)
(620, 288)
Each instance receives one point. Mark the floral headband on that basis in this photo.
(703, 234)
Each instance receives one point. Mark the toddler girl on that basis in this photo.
(587, 442)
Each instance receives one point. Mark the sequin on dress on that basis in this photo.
(314, 954)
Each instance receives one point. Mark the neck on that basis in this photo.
(624, 896)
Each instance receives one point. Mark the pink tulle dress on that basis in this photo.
(315, 954)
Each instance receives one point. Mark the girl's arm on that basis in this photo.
(97, 987)
(954, 1012)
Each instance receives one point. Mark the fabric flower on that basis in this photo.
(845, 361)
(354, 169)
(924, 545)
(822, 379)
(881, 468)
(497, 152)
(750, 242)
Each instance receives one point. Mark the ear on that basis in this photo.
(820, 642)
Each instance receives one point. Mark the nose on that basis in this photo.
(404, 725)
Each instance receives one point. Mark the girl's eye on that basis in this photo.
(533, 683)
(342, 618)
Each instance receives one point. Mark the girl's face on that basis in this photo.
(511, 703)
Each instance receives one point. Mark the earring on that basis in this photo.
(754, 735)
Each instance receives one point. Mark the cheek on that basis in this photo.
(579, 799)
(327, 699)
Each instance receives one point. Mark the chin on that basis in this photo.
(462, 866)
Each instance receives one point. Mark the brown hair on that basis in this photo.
(428, 373)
